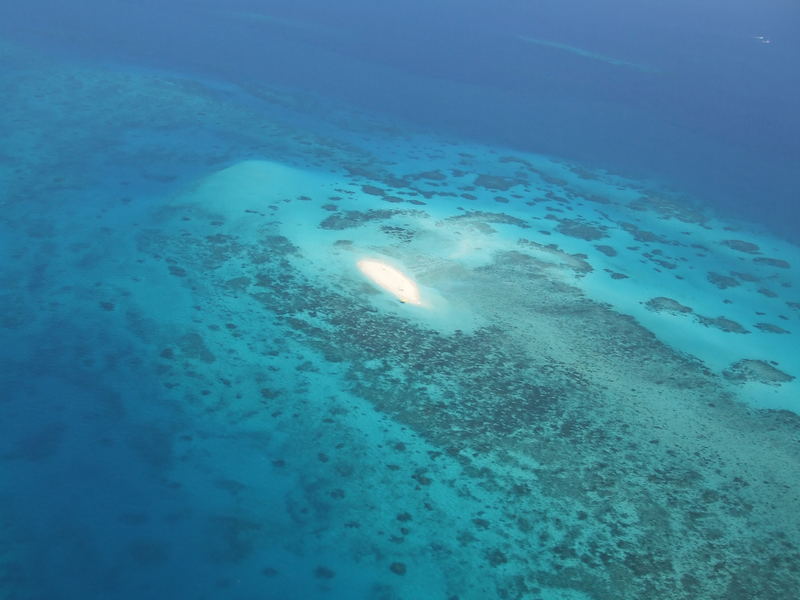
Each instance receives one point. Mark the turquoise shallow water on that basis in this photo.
(205, 398)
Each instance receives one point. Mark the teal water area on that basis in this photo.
(203, 397)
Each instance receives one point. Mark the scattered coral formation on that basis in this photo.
(723, 282)
(772, 262)
(355, 218)
(579, 228)
(770, 328)
(747, 370)
(742, 246)
(607, 250)
(496, 182)
(722, 323)
(663, 304)
(478, 216)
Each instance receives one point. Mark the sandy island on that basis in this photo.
(391, 280)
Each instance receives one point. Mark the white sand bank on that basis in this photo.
(390, 279)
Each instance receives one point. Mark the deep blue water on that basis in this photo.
(194, 406)
(716, 117)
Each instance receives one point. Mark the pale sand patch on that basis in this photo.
(390, 279)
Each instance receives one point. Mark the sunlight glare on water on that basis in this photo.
(392, 280)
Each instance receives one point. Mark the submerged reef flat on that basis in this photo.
(529, 403)
(576, 441)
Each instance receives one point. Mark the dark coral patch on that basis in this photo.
(193, 346)
(496, 557)
(745, 276)
(238, 284)
(324, 573)
(669, 209)
(741, 246)
(398, 568)
(489, 217)
(640, 235)
(722, 281)
(772, 262)
(607, 250)
(578, 228)
(429, 175)
(401, 233)
(722, 323)
(496, 182)
(756, 370)
(355, 218)
(770, 328)
(664, 304)
(372, 190)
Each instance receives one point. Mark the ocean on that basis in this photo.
(399, 301)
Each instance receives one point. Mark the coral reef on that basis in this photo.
(742, 246)
(663, 304)
(723, 282)
(756, 370)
